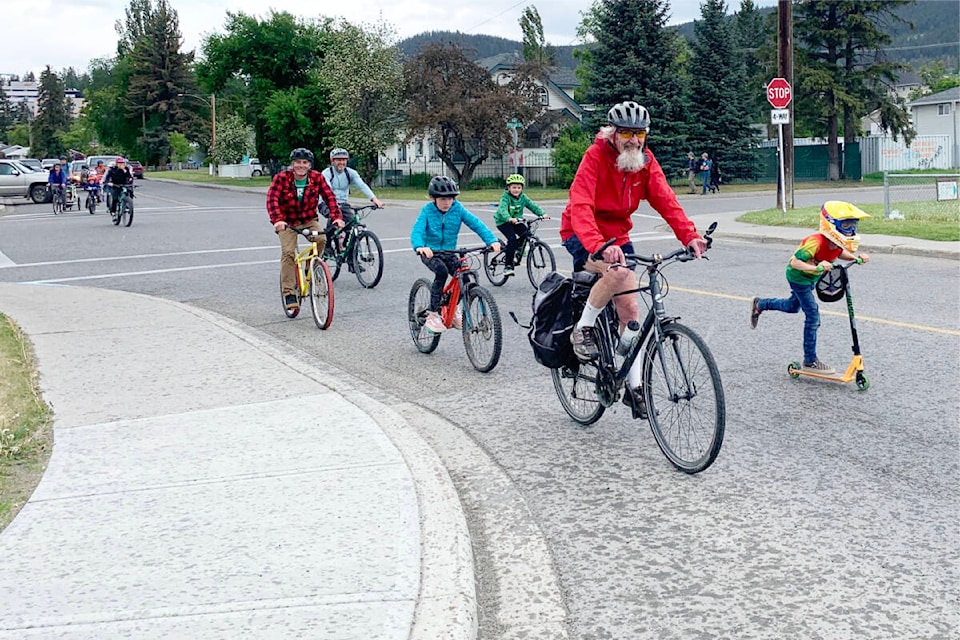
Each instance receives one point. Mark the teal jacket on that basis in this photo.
(439, 231)
(511, 207)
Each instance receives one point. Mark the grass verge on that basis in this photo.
(919, 221)
(26, 427)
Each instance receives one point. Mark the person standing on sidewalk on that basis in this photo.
(616, 172)
(292, 202)
(706, 166)
(692, 168)
(837, 238)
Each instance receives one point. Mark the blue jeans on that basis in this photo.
(801, 297)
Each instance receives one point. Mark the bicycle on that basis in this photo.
(681, 383)
(93, 195)
(464, 303)
(124, 210)
(357, 247)
(313, 280)
(58, 198)
(540, 258)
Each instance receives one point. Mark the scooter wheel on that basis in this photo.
(863, 382)
(794, 370)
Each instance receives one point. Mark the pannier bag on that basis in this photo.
(555, 311)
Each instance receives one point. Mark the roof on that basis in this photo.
(950, 95)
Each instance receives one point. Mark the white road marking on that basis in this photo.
(135, 257)
(5, 261)
(126, 274)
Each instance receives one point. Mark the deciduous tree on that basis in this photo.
(535, 47)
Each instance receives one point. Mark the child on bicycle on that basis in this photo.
(436, 229)
(837, 238)
(509, 217)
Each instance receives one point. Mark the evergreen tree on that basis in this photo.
(8, 114)
(636, 57)
(53, 117)
(159, 75)
(755, 43)
(722, 109)
(535, 47)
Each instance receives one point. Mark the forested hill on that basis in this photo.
(935, 37)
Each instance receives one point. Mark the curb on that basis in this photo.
(900, 249)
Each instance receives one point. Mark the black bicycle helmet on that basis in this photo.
(832, 285)
(442, 186)
(301, 154)
(629, 115)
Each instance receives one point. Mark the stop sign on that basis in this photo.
(779, 93)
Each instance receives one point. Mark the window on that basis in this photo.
(943, 109)
(419, 147)
(543, 96)
(402, 153)
(6, 169)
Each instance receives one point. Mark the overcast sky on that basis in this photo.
(72, 32)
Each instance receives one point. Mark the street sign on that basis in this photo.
(779, 93)
(780, 116)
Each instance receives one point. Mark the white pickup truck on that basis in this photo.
(17, 180)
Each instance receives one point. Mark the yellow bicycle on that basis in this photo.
(313, 280)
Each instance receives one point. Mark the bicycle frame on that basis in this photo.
(350, 231)
(303, 275)
(462, 279)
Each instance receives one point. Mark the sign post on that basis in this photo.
(514, 125)
(779, 95)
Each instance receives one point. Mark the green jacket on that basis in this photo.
(511, 207)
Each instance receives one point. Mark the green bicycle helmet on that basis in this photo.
(442, 187)
(515, 178)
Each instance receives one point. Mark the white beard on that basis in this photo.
(631, 159)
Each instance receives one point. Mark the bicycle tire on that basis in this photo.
(91, 204)
(332, 256)
(688, 424)
(290, 313)
(367, 259)
(55, 202)
(127, 214)
(482, 329)
(576, 387)
(321, 293)
(540, 262)
(417, 308)
(493, 266)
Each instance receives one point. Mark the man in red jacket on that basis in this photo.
(616, 173)
(292, 201)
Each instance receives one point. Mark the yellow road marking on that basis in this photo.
(894, 323)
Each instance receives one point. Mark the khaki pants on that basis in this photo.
(692, 181)
(288, 251)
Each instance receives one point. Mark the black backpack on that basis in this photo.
(555, 311)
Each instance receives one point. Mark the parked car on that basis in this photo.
(257, 169)
(136, 168)
(17, 180)
(106, 160)
(46, 163)
(31, 163)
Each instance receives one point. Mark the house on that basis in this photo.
(14, 152)
(939, 115)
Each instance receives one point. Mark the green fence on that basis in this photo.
(810, 163)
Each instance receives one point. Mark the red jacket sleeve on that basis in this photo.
(327, 194)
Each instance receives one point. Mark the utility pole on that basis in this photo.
(785, 70)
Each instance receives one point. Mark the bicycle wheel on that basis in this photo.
(482, 330)
(367, 259)
(290, 313)
(577, 389)
(331, 255)
(91, 203)
(493, 266)
(540, 262)
(321, 293)
(55, 203)
(417, 309)
(127, 214)
(684, 398)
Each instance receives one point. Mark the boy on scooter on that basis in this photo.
(837, 238)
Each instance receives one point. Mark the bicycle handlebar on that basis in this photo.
(683, 254)
(462, 251)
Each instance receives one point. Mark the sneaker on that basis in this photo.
(818, 367)
(584, 345)
(458, 318)
(755, 313)
(291, 301)
(434, 323)
(508, 271)
(633, 398)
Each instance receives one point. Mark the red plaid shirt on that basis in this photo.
(283, 204)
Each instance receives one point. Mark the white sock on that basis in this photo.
(589, 316)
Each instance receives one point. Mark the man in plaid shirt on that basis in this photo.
(292, 201)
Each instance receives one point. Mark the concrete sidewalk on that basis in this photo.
(206, 482)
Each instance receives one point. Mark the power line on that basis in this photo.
(510, 8)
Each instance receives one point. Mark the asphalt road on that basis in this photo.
(830, 513)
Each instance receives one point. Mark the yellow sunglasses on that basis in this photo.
(626, 134)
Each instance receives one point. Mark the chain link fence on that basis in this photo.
(929, 195)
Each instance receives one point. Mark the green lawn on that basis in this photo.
(920, 221)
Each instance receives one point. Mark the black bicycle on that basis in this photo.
(540, 258)
(357, 247)
(682, 391)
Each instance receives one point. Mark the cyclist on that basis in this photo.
(115, 179)
(292, 202)
(616, 172)
(837, 238)
(509, 217)
(436, 229)
(57, 181)
(339, 176)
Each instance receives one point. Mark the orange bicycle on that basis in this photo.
(466, 306)
(313, 280)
